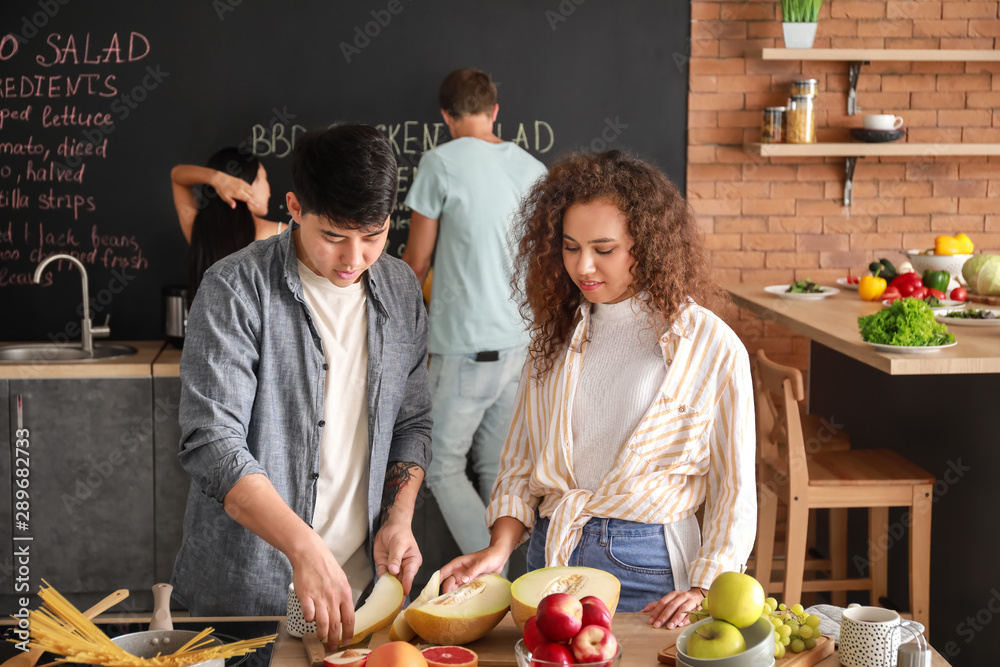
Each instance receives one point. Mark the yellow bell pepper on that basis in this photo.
(870, 288)
(947, 245)
(965, 244)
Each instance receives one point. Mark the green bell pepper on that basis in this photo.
(937, 280)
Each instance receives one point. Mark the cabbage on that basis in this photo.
(982, 274)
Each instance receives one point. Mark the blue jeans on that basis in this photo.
(472, 406)
(636, 553)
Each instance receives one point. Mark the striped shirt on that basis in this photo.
(696, 443)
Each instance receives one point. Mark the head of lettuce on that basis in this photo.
(907, 322)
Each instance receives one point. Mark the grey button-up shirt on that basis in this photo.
(252, 392)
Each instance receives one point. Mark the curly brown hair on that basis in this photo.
(668, 251)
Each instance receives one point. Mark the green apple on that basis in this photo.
(736, 598)
(715, 639)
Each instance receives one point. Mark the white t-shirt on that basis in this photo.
(341, 516)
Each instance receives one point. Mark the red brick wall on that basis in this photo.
(773, 220)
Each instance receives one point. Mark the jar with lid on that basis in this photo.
(800, 127)
(805, 87)
(772, 129)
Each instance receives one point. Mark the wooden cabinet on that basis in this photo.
(91, 484)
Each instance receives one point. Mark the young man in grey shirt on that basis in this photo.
(304, 396)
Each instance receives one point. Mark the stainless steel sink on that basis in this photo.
(54, 353)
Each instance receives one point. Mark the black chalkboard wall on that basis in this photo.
(99, 99)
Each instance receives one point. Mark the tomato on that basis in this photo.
(935, 292)
(907, 288)
(920, 292)
(959, 294)
(853, 280)
(891, 294)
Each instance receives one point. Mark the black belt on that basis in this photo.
(492, 355)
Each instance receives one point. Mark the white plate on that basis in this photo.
(962, 322)
(908, 349)
(780, 290)
(843, 283)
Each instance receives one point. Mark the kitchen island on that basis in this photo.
(640, 644)
(938, 409)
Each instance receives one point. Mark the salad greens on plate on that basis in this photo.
(907, 322)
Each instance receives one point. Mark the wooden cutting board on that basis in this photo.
(823, 648)
(982, 298)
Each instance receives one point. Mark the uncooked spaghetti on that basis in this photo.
(59, 628)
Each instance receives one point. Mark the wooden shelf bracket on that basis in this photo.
(852, 94)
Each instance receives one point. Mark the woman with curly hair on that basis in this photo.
(635, 405)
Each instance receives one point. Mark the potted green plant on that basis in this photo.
(799, 22)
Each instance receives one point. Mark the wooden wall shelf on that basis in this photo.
(852, 151)
(859, 149)
(870, 55)
(855, 58)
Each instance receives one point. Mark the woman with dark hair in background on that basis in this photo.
(635, 405)
(229, 212)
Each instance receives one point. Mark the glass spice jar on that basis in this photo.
(800, 127)
(772, 129)
(805, 87)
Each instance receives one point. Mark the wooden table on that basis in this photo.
(640, 644)
(640, 641)
(833, 322)
(938, 409)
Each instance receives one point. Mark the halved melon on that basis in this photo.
(463, 615)
(400, 629)
(528, 589)
(379, 609)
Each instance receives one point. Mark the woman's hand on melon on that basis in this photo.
(396, 552)
(324, 592)
(464, 569)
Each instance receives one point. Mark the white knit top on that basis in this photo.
(621, 373)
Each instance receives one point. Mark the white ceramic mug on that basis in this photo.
(294, 622)
(869, 636)
(883, 121)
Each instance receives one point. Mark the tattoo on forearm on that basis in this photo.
(396, 477)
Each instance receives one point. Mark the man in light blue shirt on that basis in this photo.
(464, 198)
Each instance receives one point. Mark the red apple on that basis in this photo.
(532, 637)
(550, 652)
(560, 617)
(595, 612)
(594, 643)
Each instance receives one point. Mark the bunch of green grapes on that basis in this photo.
(794, 629)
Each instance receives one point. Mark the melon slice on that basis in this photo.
(528, 589)
(352, 657)
(400, 629)
(379, 609)
(463, 615)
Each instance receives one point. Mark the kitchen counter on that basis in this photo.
(168, 362)
(833, 322)
(137, 365)
(640, 644)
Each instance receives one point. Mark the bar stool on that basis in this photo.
(876, 479)
(818, 433)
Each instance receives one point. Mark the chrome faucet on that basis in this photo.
(88, 332)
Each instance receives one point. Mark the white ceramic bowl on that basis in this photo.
(760, 647)
(950, 263)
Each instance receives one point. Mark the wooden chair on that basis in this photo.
(817, 433)
(876, 479)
